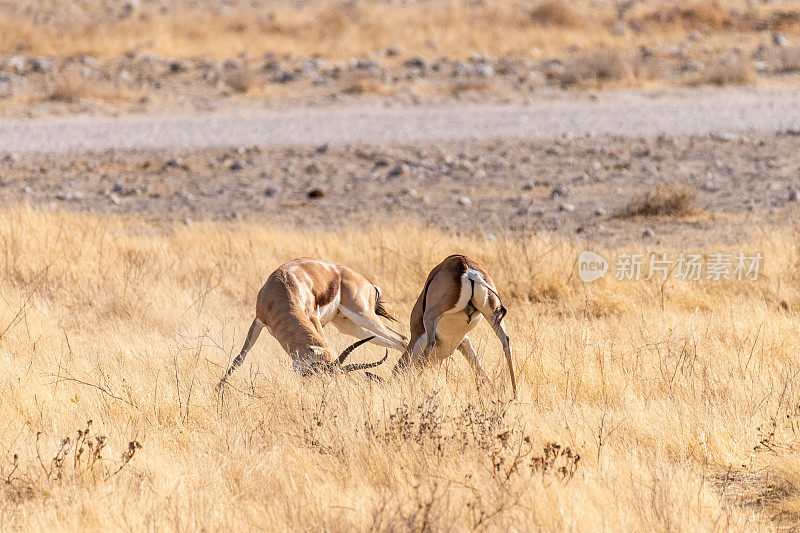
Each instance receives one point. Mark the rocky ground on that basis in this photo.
(36, 86)
(570, 186)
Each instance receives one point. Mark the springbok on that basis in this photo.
(456, 294)
(302, 296)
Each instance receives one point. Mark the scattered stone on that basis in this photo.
(16, 63)
(599, 212)
(114, 199)
(694, 36)
(794, 195)
(125, 77)
(559, 191)
(129, 6)
(649, 233)
(285, 77)
(367, 64)
(462, 69)
(400, 170)
(464, 201)
(564, 206)
(236, 165)
(675, 51)
(269, 192)
(534, 76)
(231, 64)
(417, 62)
(779, 39)
(41, 64)
(178, 65)
(723, 136)
(555, 66)
(272, 66)
(692, 65)
(484, 71)
(27, 189)
(522, 211)
(315, 193)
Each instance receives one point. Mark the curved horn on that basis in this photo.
(362, 366)
(347, 351)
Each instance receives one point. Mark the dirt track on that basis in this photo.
(681, 112)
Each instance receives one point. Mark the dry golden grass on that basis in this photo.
(679, 397)
(71, 87)
(738, 72)
(336, 29)
(598, 68)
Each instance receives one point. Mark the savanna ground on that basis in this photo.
(128, 278)
(641, 405)
(130, 56)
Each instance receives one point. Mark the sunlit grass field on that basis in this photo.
(642, 405)
(335, 29)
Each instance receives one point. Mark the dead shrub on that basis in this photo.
(78, 460)
(369, 87)
(704, 15)
(665, 200)
(739, 72)
(555, 13)
(786, 60)
(67, 87)
(470, 86)
(70, 87)
(241, 80)
(601, 67)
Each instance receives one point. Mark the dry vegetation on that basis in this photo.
(664, 200)
(642, 406)
(131, 56)
(338, 30)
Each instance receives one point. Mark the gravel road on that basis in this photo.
(676, 112)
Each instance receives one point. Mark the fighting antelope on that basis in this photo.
(456, 294)
(303, 295)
